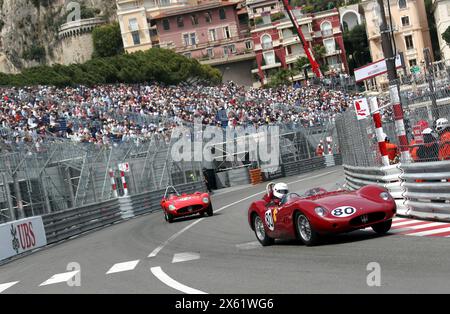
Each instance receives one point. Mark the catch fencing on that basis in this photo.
(421, 184)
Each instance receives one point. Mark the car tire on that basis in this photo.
(260, 231)
(201, 214)
(382, 227)
(305, 232)
(168, 217)
(209, 210)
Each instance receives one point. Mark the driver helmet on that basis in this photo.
(442, 124)
(280, 189)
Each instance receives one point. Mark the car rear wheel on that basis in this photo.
(382, 227)
(260, 232)
(305, 231)
(209, 210)
(168, 217)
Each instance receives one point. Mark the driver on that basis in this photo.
(276, 192)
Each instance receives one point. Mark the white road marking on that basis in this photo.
(249, 245)
(163, 277)
(121, 267)
(5, 286)
(406, 223)
(176, 235)
(63, 277)
(185, 257)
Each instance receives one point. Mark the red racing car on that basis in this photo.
(175, 205)
(319, 213)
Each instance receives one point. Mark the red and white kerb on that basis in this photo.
(379, 131)
(113, 182)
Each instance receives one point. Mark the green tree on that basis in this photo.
(107, 40)
(280, 78)
(357, 47)
(446, 35)
(301, 63)
(433, 30)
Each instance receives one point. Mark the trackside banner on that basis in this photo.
(20, 236)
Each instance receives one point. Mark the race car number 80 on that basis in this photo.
(344, 211)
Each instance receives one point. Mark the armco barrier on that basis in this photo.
(303, 166)
(387, 177)
(427, 188)
(65, 224)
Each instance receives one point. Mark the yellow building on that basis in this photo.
(411, 31)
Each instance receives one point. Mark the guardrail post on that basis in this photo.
(9, 197)
(126, 207)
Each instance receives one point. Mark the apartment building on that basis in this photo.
(214, 32)
(441, 11)
(277, 45)
(410, 29)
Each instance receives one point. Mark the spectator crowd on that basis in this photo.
(110, 114)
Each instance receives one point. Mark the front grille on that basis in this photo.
(372, 217)
(189, 209)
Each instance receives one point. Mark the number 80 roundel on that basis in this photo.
(344, 211)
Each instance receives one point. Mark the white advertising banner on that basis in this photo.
(20, 236)
(374, 69)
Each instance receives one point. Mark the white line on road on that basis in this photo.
(121, 267)
(176, 235)
(5, 286)
(63, 277)
(162, 276)
(430, 232)
(185, 257)
(249, 245)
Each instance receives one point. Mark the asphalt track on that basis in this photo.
(219, 254)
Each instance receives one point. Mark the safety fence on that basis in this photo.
(303, 166)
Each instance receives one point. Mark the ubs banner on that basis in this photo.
(20, 236)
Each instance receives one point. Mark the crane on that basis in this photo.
(314, 65)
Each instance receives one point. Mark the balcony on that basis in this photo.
(294, 57)
(295, 40)
(267, 46)
(332, 53)
(223, 59)
(411, 52)
(327, 33)
(267, 67)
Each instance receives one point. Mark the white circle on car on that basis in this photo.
(343, 211)
(269, 220)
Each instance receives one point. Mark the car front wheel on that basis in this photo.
(168, 217)
(382, 227)
(260, 232)
(209, 210)
(305, 231)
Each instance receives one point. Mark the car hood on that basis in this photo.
(187, 200)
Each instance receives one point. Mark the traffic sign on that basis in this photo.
(375, 69)
(362, 108)
(415, 69)
(125, 167)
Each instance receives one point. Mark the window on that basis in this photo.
(208, 17)
(405, 20)
(326, 29)
(226, 32)
(289, 50)
(412, 62)
(229, 49)
(210, 52)
(212, 35)
(409, 42)
(448, 9)
(266, 42)
(180, 21)
(193, 39)
(166, 24)
(222, 14)
(187, 55)
(186, 39)
(330, 45)
(164, 2)
(402, 4)
(269, 57)
(194, 19)
(248, 44)
(133, 25)
(136, 38)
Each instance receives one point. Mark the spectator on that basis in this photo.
(443, 129)
(392, 151)
(428, 151)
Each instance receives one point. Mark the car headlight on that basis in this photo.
(205, 200)
(385, 196)
(172, 207)
(320, 211)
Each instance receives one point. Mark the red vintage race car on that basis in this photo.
(319, 212)
(175, 205)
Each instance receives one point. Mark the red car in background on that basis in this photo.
(175, 205)
(319, 213)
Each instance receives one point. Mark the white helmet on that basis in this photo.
(280, 189)
(427, 131)
(442, 124)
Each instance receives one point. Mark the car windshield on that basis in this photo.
(314, 192)
(170, 192)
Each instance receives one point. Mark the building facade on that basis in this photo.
(410, 29)
(441, 11)
(350, 17)
(277, 45)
